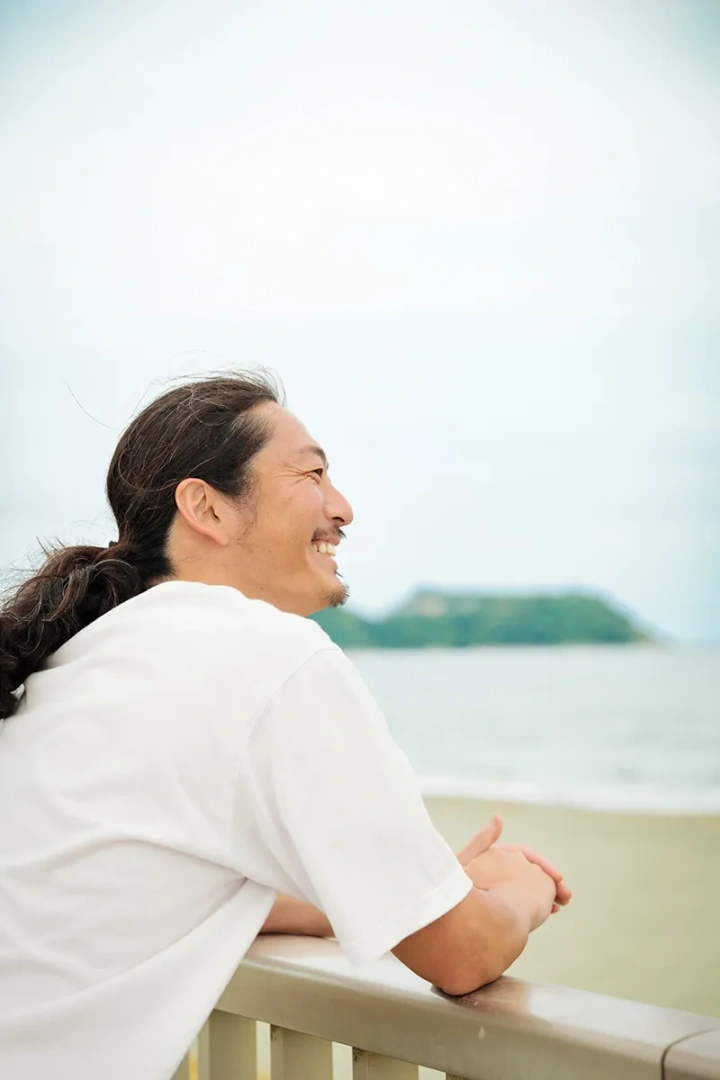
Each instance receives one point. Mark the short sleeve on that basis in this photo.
(327, 808)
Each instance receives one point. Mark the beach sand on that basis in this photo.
(644, 922)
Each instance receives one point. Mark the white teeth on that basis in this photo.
(324, 549)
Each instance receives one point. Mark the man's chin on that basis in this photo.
(338, 596)
(335, 596)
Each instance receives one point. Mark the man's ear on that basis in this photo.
(204, 510)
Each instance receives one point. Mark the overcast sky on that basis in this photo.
(477, 240)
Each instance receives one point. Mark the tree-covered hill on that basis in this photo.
(459, 620)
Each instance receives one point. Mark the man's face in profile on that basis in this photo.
(287, 544)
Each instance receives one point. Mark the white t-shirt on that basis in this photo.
(178, 763)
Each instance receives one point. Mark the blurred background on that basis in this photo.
(478, 242)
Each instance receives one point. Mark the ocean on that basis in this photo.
(624, 728)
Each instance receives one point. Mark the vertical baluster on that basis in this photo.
(367, 1066)
(294, 1056)
(184, 1069)
(202, 1053)
(227, 1048)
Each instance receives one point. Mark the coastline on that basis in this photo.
(643, 923)
(642, 802)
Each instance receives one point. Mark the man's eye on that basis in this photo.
(319, 472)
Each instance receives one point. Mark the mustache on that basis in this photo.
(331, 537)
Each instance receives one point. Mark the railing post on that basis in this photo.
(227, 1048)
(367, 1066)
(294, 1056)
(183, 1071)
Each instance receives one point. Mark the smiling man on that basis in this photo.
(188, 762)
(279, 543)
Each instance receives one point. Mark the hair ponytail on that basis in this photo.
(207, 429)
(73, 587)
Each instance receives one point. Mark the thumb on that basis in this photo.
(482, 840)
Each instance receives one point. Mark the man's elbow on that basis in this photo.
(460, 979)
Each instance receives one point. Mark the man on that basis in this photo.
(188, 761)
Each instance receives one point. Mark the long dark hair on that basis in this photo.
(207, 429)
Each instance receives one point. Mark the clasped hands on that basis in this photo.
(482, 871)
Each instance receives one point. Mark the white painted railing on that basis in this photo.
(395, 1022)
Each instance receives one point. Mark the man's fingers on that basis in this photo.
(544, 863)
(535, 857)
(482, 840)
(563, 893)
(489, 835)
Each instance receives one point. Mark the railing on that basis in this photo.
(511, 1030)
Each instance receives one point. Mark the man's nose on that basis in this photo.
(338, 508)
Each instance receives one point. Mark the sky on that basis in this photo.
(478, 242)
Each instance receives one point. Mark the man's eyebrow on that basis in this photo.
(312, 449)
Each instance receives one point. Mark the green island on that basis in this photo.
(437, 619)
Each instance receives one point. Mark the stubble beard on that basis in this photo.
(338, 596)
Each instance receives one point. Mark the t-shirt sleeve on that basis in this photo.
(327, 808)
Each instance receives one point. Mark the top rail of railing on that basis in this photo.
(511, 1030)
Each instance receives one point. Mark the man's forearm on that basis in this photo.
(291, 916)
